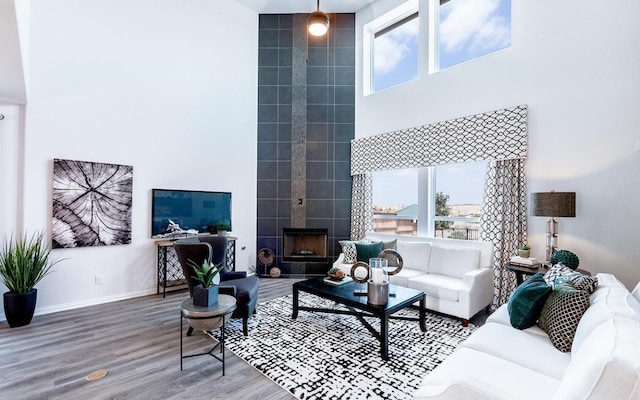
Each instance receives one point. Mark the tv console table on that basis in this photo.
(169, 268)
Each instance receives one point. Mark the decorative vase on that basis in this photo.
(205, 297)
(378, 283)
(222, 233)
(524, 253)
(19, 307)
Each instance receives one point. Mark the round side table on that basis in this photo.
(207, 319)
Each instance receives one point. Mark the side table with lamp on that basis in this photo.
(548, 204)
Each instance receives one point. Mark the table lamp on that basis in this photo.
(553, 204)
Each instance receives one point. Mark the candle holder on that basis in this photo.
(378, 283)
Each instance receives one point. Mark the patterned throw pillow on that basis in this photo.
(561, 314)
(349, 250)
(560, 274)
(526, 302)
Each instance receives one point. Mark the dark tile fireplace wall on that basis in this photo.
(306, 92)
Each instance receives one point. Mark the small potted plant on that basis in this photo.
(524, 251)
(222, 228)
(24, 262)
(205, 294)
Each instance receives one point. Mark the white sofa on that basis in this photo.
(501, 362)
(455, 275)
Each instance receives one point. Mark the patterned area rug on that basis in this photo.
(332, 356)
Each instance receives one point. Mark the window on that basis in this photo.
(459, 190)
(459, 31)
(443, 201)
(391, 48)
(395, 201)
(469, 29)
(395, 56)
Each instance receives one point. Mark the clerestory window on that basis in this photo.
(453, 32)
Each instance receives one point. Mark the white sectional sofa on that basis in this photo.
(501, 362)
(455, 275)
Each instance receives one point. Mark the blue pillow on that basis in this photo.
(526, 302)
(365, 251)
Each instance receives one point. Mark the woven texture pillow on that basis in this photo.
(561, 314)
(526, 302)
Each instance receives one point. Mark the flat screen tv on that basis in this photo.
(191, 209)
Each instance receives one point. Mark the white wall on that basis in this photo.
(576, 66)
(10, 170)
(167, 86)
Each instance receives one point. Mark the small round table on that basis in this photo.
(207, 319)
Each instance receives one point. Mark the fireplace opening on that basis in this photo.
(301, 244)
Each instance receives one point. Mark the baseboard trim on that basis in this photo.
(89, 302)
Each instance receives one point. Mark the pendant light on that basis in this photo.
(318, 22)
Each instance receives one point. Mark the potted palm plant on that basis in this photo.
(205, 294)
(24, 261)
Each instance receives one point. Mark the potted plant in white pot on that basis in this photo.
(222, 228)
(24, 262)
(205, 294)
(524, 251)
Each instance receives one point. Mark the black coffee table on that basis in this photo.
(358, 306)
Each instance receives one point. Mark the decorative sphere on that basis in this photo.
(565, 257)
(275, 272)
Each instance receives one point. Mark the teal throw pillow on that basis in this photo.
(527, 301)
(365, 251)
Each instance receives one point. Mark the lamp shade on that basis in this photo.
(553, 204)
(318, 23)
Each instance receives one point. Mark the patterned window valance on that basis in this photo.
(494, 135)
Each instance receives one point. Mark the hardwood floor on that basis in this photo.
(137, 341)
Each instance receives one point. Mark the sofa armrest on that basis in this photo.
(474, 277)
(339, 261)
(477, 290)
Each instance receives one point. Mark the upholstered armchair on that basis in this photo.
(234, 283)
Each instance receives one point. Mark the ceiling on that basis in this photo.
(304, 6)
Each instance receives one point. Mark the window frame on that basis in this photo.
(427, 192)
(406, 11)
(428, 32)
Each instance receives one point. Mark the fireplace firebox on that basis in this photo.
(304, 245)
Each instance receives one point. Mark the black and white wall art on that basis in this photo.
(91, 203)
